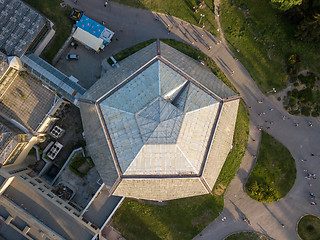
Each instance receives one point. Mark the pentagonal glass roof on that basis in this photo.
(159, 122)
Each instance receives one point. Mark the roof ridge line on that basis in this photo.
(133, 160)
(126, 80)
(198, 109)
(231, 98)
(120, 110)
(190, 78)
(186, 158)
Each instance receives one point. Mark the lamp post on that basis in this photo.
(201, 16)
(273, 90)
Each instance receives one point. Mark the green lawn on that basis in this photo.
(130, 50)
(182, 9)
(274, 172)
(247, 236)
(60, 17)
(184, 218)
(309, 228)
(265, 40)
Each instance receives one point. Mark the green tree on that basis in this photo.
(309, 29)
(285, 5)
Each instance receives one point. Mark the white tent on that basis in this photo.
(88, 39)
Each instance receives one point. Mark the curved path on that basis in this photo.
(135, 25)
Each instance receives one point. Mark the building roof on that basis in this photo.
(88, 39)
(46, 212)
(4, 65)
(157, 118)
(149, 120)
(95, 29)
(53, 77)
(8, 141)
(26, 101)
(19, 25)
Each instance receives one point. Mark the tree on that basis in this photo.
(309, 29)
(285, 5)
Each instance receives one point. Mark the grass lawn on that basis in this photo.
(60, 17)
(182, 9)
(265, 40)
(80, 165)
(184, 218)
(274, 172)
(130, 50)
(309, 228)
(247, 236)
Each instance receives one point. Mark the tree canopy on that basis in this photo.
(309, 29)
(285, 5)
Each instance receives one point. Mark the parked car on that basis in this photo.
(72, 57)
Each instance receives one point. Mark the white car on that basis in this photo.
(72, 57)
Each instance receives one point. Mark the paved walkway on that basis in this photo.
(135, 25)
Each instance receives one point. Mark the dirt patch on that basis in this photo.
(83, 167)
(204, 218)
(219, 190)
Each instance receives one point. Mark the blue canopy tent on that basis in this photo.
(95, 29)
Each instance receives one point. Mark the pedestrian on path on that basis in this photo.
(105, 3)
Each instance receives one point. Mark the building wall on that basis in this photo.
(160, 189)
(221, 143)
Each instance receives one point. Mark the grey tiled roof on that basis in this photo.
(158, 113)
(198, 72)
(97, 144)
(115, 76)
(3, 63)
(53, 77)
(8, 141)
(19, 25)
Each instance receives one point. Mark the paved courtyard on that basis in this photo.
(85, 187)
(87, 69)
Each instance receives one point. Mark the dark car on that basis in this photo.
(72, 57)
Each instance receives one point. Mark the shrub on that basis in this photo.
(305, 110)
(77, 161)
(295, 93)
(262, 192)
(292, 102)
(315, 114)
(292, 72)
(305, 95)
(316, 96)
(308, 80)
(294, 111)
(293, 59)
(296, 84)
